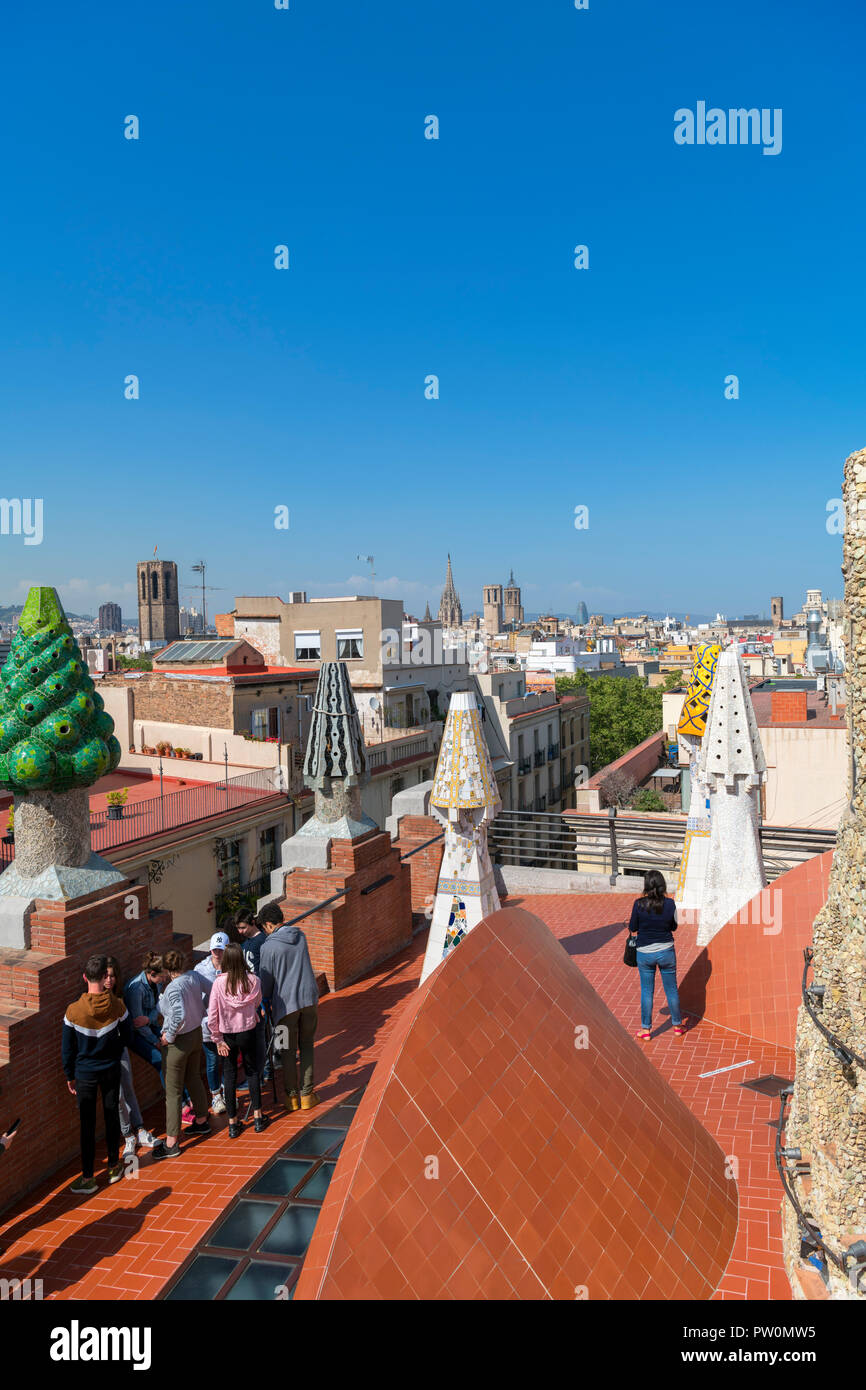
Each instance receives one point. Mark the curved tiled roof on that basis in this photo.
(515, 1142)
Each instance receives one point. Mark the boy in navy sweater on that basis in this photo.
(96, 1029)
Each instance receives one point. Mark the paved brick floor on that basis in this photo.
(127, 1240)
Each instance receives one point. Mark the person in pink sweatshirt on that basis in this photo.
(232, 1018)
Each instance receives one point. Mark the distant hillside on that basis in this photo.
(14, 610)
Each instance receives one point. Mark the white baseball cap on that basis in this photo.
(219, 941)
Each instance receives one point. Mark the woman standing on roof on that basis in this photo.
(654, 921)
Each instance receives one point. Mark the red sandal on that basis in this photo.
(682, 1027)
(643, 1034)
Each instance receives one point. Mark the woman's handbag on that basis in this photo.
(629, 955)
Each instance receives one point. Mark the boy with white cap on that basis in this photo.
(209, 968)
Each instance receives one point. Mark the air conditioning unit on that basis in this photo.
(297, 596)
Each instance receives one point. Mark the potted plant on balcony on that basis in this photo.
(116, 802)
(9, 837)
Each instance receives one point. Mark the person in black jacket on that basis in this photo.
(96, 1029)
(654, 921)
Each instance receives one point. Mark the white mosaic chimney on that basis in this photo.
(732, 766)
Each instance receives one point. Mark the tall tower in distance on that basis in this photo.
(513, 605)
(777, 611)
(450, 611)
(492, 608)
(109, 618)
(158, 604)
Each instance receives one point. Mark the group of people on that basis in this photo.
(186, 1022)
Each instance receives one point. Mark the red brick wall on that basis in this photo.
(789, 706)
(350, 937)
(35, 988)
(424, 866)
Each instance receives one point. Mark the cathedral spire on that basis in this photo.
(450, 612)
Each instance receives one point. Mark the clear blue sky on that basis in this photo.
(558, 387)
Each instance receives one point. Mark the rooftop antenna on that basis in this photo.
(200, 569)
(368, 560)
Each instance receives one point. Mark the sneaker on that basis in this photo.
(146, 1139)
(261, 1123)
(116, 1173)
(163, 1151)
(217, 1104)
(129, 1145)
(201, 1127)
(83, 1185)
(187, 1115)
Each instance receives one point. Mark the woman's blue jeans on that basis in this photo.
(667, 966)
(213, 1065)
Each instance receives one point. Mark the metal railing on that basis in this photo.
(172, 810)
(539, 757)
(524, 766)
(237, 895)
(617, 843)
(552, 752)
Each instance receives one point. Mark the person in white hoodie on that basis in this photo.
(209, 969)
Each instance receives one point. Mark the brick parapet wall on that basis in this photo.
(36, 986)
(425, 864)
(351, 937)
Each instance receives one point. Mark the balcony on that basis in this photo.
(541, 803)
(552, 752)
(394, 750)
(539, 757)
(524, 766)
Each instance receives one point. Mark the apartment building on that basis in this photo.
(525, 740)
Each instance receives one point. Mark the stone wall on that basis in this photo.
(178, 701)
(828, 1108)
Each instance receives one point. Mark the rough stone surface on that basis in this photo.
(51, 828)
(828, 1108)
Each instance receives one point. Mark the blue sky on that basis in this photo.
(305, 388)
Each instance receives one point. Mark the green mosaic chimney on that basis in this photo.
(55, 734)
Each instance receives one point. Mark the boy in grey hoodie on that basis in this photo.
(286, 973)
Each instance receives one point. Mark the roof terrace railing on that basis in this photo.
(619, 843)
(170, 811)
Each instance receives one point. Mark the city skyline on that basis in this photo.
(304, 388)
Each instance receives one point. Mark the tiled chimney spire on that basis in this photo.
(732, 767)
(464, 798)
